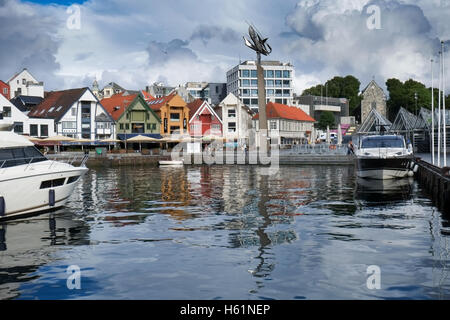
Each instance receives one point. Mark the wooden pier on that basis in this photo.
(436, 181)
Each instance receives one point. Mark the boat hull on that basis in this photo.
(170, 163)
(26, 195)
(380, 169)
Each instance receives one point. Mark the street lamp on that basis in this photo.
(415, 98)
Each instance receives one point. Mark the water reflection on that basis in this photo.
(384, 191)
(205, 232)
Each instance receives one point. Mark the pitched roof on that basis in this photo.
(194, 106)
(22, 102)
(278, 110)
(147, 96)
(56, 103)
(157, 103)
(117, 104)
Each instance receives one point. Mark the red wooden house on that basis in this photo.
(203, 120)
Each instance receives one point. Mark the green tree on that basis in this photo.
(339, 87)
(326, 119)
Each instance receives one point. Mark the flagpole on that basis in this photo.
(439, 112)
(432, 114)
(443, 104)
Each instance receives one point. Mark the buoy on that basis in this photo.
(411, 164)
(51, 198)
(416, 168)
(2, 206)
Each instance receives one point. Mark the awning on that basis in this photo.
(123, 136)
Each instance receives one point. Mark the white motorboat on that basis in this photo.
(29, 182)
(384, 157)
(171, 162)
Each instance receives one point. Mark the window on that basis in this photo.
(254, 83)
(286, 92)
(245, 73)
(270, 92)
(69, 124)
(175, 117)
(286, 74)
(72, 179)
(44, 130)
(127, 126)
(153, 126)
(270, 83)
(5, 90)
(245, 83)
(278, 93)
(254, 74)
(121, 126)
(278, 83)
(231, 126)
(269, 73)
(246, 101)
(254, 92)
(254, 101)
(18, 127)
(245, 92)
(6, 112)
(17, 156)
(231, 113)
(52, 183)
(24, 81)
(74, 112)
(277, 73)
(286, 83)
(273, 125)
(148, 126)
(34, 130)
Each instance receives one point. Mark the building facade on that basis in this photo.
(4, 89)
(23, 83)
(173, 112)
(23, 124)
(236, 119)
(242, 81)
(214, 93)
(133, 116)
(77, 113)
(203, 120)
(373, 97)
(315, 105)
(286, 124)
(159, 90)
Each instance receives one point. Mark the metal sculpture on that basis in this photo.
(257, 43)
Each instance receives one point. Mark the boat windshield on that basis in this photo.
(382, 142)
(11, 157)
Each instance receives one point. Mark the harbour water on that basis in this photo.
(229, 232)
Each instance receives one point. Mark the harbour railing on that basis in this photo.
(318, 149)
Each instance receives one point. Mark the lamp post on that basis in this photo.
(415, 98)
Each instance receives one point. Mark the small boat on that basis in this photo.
(384, 157)
(29, 182)
(171, 162)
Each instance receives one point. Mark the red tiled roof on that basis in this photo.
(56, 103)
(278, 110)
(147, 96)
(117, 104)
(194, 106)
(157, 103)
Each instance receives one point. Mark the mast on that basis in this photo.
(439, 111)
(432, 114)
(444, 114)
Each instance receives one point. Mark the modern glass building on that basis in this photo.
(242, 81)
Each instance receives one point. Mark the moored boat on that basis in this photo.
(384, 157)
(171, 162)
(29, 182)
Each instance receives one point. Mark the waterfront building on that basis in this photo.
(4, 89)
(290, 125)
(133, 116)
(23, 83)
(159, 90)
(109, 90)
(203, 120)
(77, 113)
(214, 93)
(315, 105)
(173, 112)
(242, 81)
(236, 119)
(23, 124)
(373, 97)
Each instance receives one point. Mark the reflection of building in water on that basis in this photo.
(236, 181)
(175, 192)
(26, 245)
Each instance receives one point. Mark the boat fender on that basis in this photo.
(410, 174)
(2, 206)
(416, 168)
(51, 198)
(411, 164)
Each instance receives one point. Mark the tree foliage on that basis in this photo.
(339, 87)
(326, 119)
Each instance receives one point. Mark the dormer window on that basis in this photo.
(59, 108)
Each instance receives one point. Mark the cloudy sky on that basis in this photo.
(138, 42)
